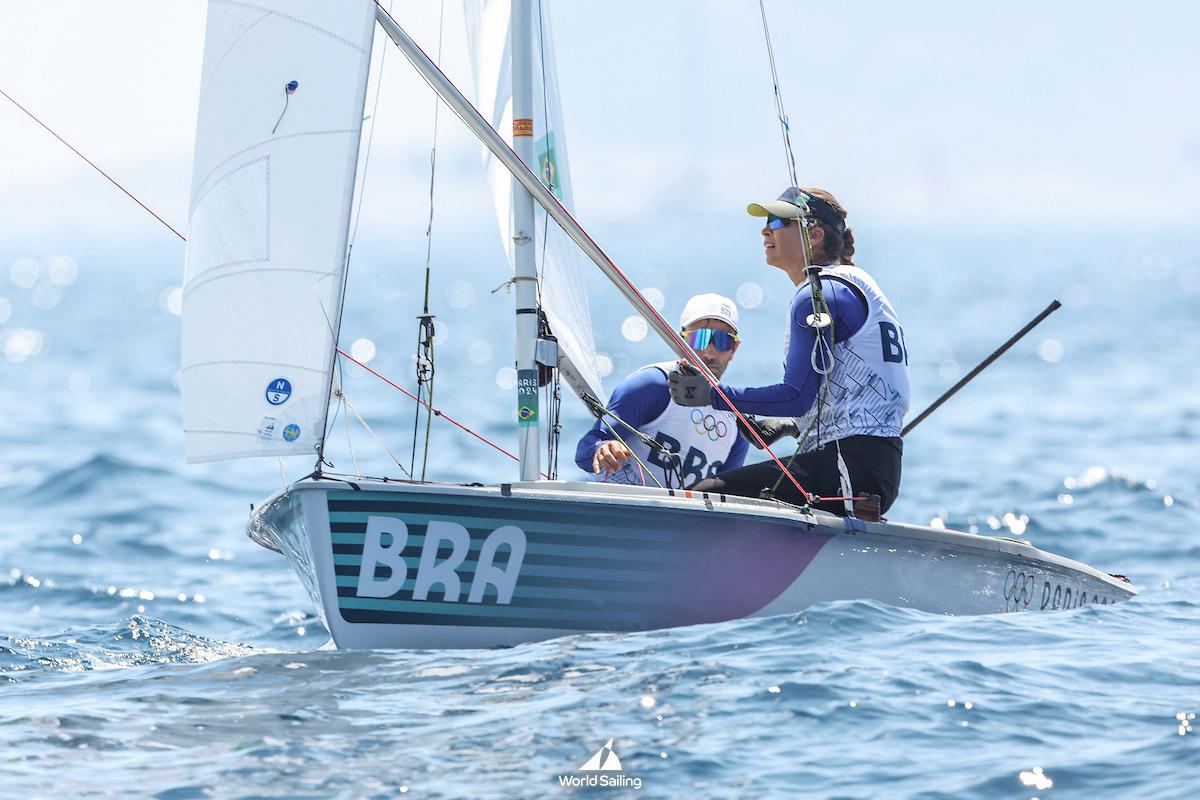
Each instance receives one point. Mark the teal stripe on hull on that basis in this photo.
(534, 547)
(642, 538)
(497, 615)
(567, 589)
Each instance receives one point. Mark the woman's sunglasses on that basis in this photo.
(701, 338)
(775, 223)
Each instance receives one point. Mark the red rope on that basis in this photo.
(437, 411)
(92, 165)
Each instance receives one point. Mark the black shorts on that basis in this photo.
(872, 461)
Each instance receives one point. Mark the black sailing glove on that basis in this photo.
(770, 429)
(688, 387)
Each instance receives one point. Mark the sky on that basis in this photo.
(938, 115)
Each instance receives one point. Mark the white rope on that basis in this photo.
(349, 441)
(822, 353)
(346, 400)
(844, 479)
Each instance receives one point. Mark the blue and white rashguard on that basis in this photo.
(705, 440)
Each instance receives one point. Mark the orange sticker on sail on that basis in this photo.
(522, 127)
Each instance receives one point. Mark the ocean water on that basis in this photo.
(148, 649)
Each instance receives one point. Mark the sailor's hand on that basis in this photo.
(769, 429)
(610, 456)
(688, 387)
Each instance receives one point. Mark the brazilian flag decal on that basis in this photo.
(527, 397)
(548, 164)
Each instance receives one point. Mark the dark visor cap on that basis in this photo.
(788, 206)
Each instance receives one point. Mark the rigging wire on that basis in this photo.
(349, 441)
(362, 185)
(360, 192)
(822, 357)
(426, 332)
(784, 126)
(378, 439)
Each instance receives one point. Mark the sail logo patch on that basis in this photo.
(266, 430)
(291, 433)
(278, 391)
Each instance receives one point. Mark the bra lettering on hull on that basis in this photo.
(434, 575)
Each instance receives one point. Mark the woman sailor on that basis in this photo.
(845, 380)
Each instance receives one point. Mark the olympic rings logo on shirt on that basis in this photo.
(708, 425)
(1018, 587)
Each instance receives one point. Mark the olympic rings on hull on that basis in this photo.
(1021, 588)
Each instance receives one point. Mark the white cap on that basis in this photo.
(709, 306)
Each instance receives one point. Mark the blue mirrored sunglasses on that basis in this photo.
(701, 338)
(775, 223)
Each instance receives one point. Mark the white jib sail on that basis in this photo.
(281, 110)
(560, 265)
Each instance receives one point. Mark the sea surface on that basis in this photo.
(149, 649)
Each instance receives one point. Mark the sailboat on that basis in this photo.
(412, 564)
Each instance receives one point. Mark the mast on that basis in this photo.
(524, 253)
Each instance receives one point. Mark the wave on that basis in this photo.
(100, 475)
(132, 642)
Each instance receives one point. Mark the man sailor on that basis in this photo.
(694, 443)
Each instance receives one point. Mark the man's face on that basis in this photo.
(713, 358)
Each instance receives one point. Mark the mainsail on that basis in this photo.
(560, 264)
(281, 108)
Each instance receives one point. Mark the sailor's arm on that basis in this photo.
(796, 393)
(639, 399)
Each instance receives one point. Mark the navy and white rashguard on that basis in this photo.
(706, 440)
(868, 384)
(863, 410)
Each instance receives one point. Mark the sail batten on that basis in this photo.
(282, 97)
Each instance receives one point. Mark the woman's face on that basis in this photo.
(784, 247)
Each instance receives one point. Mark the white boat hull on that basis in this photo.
(393, 565)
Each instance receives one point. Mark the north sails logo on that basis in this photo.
(598, 772)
